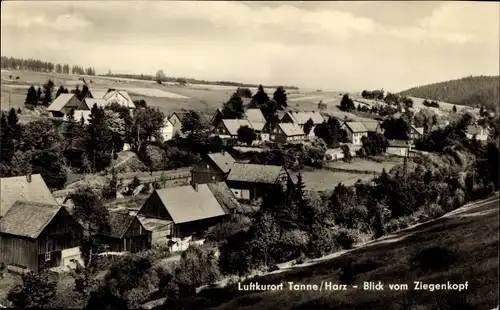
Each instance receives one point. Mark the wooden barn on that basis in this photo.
(174, 214)
(251, 181)
(127, 234)
(213, 168)
(36, 235)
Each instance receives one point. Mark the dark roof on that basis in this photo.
(223, 161)
(119, 224)
(225, 197)
(19, 189)
(28, 219)
(254, 173)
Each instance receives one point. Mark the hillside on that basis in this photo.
(473, 91)
(458, 247)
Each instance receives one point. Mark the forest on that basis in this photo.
(473, 91)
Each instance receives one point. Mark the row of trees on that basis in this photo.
(12, 63)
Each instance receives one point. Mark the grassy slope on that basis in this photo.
(472, 235)
(470, 91)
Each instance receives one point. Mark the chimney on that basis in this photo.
(223, 152)
(195, 186)
(28, 177)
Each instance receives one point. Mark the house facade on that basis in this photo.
(35, 235)
(399, 148)
(288, 133)
(213, 168)
(415, 132)
(176, 120)
(252, 181)
(119, 96)
(355, 131)
(127, 234)
(168, 130)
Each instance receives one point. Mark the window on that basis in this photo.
(47, 256)
(213, 177)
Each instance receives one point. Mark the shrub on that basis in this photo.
(347, 238)
(321, 242)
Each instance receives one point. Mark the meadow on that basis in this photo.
(358, 164)
(326, 180)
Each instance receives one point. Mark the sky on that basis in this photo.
(344, 46)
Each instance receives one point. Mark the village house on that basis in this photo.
(30, 188)
(126, 234)
(287, 133)
(119, 96)
(177, 119)
(63, 104)
(175, 215)
(399, 148)
(228, 128)
(217, 118)
(168, 130)
(479, 132)
(251, 181)
(96, 93)
(256, 119)
(415, 132)
(357, 130)
(37, 235)
(300, 118)
(214, 167)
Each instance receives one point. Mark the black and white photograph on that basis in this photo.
(251, 155)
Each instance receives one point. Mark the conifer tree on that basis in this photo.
(31, 97)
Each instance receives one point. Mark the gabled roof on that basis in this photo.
(255, 116)
(124, 94)
(291, 129)
(19, 189)
(225, 197)
(119, 224)
(254, 173)
(371, 126)
(98, 93)
(301, 117)
(223, 161)
(185, 204)
(356, 126)
(89, 102)
(257, 126)
(28, 219)
(152, 224)
(60, 102)
(233, 125)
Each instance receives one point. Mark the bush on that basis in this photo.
(347, 238)
(321, 242)
(399, 223)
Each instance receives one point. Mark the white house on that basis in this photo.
(355, 131)
(167, 130)
(398, 147)
(300, 118)
(119, 96)
(477, 131)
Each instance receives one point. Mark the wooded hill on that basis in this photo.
(473, 91)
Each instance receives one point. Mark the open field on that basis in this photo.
(458, 247)
(358, 164)
(153, 92)
(325, 180)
